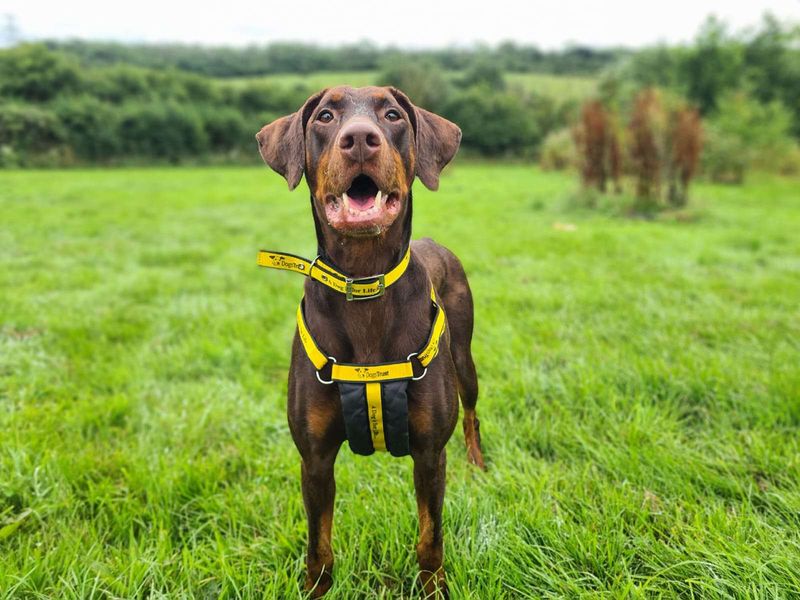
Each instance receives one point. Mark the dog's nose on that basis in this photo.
(360, 140)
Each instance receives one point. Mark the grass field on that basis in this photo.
(640, 394)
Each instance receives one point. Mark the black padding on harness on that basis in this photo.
(354, 410)
(395, 417)
(394, 401)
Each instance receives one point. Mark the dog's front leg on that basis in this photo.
(429, 479)
(318, 432)
(319, 489)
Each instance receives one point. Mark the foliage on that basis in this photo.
(494, 124)
(285, 57)
(162, 130)
(639, 395)
(225, 128)
(765, 60)
(745, 133)
(725, 158)
(29, 129)
(597, 141)
(558, 151)
(422, 81)
(483, 72)
(90, 127)
(684, 144)
(711, 66)
(31, 72)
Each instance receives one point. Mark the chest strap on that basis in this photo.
(355, 288)
(335, 371)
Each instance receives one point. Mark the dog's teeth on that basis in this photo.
(346, 199)
(378, 198)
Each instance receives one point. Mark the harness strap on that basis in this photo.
(392, 371)
(355, 288)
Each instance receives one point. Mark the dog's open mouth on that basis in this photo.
(363, 208)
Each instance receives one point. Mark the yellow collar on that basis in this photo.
(355, 288)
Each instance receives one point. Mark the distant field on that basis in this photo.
(640, 394)
(562, 86)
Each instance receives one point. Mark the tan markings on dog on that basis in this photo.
(323, 170)
(401, 181)
(319, 420)
(326, 526)
(337, 97)
(420, 421)
(429, 554)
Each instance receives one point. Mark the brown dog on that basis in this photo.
(360, 150)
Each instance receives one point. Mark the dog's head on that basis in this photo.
(360, 149)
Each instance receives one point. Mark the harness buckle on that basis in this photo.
(349, 281)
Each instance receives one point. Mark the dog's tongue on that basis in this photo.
(362, 202)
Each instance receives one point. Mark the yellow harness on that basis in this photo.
(391, 371)
(374, 401)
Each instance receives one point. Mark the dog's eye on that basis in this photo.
(392, 115)
(325, 116)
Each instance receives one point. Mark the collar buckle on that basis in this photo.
(349, 281)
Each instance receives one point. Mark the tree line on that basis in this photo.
(287, 57)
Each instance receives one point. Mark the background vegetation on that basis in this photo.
(640, 396)
(64, 103)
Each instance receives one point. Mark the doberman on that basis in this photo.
(360, 149)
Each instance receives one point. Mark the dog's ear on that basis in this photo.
(282, 142)
(437, 140)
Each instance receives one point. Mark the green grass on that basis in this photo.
(571, 87)
(640, 395)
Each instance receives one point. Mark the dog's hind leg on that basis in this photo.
(450, 281)
(457, 299)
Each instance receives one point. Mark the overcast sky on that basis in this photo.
(414, 23)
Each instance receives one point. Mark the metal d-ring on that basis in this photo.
(311, 266)
(321, 380)
(425, 369)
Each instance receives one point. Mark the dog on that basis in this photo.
(360, 150)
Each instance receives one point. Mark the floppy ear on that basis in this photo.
(437, 140)
(282, 142)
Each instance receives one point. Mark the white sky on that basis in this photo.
(409, 23)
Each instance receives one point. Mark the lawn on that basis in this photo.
(640, 394)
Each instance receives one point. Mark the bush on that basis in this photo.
(262, 96)
(26, 131)
(126, 83)
(483, 71)
(558, 151)
(423, 82)
(724, 156)
(162, 130)
(119, 84)
(598, 148)
(90, 127)
(493, 123)
(34, 73)
(226, 129)
(743, 134)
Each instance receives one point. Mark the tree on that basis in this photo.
(34, 73)
(712, 66)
